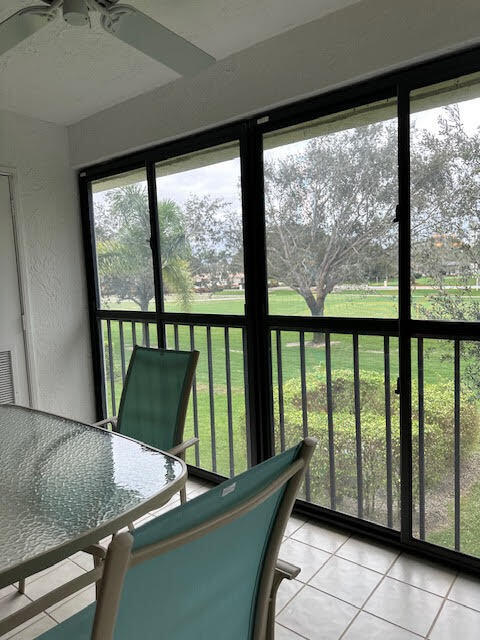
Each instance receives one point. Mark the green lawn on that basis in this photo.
(377, 304)
(469, 525)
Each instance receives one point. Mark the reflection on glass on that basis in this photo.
(445, 200)
(330, 197)
(122, 238)
(200, 220)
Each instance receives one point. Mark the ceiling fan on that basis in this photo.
(120, 20)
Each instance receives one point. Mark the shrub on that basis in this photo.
(438, 430)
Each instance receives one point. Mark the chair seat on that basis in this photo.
(78, 627)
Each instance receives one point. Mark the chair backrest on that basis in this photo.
(155, 396)
(205, 569)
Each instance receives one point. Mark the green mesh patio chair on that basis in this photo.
(207, 569)
(155, 399)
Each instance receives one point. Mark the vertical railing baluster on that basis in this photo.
(194, 400)
(245, 394)
(212, 399)
(331, 440)
(134, 334)
(146, 333)
(388, 429)
(304, 407)
(167, 344)
(358, 426)
(110, 367)
(281, 408)
(457, 441)
(228, 376)
(122, 349)
(175, 337)
(421, 441)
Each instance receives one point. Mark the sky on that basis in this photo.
(221, 180)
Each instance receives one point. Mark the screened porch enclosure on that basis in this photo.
(324, 261)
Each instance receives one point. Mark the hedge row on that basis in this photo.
(438, 435)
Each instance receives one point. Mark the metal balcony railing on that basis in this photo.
(217, 413)
(341, 389)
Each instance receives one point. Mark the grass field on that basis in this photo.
(374, 304)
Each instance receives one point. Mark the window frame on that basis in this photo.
(257, 322)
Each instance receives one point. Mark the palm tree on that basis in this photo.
(175, 252)
(122, 228)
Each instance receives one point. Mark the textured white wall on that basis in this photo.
(362, 40)
(49, 222)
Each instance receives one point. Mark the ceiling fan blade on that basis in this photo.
(22, 25)
(145, 34)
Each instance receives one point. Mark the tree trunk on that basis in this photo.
(144, 305)
(317, 307)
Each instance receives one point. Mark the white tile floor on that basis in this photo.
(348, 589)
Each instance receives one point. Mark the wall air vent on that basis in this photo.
(7, 390)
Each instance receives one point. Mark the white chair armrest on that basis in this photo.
(286, 570)
(181, 448)
(107, 421)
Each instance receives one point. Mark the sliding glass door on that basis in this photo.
(169, 261)
(324, 259)
(445, 302)
(331, 192)
(199, 205)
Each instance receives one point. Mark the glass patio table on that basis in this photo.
(65, 485)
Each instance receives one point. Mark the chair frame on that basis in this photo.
(180, 446)
(120, 558)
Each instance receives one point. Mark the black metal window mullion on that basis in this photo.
(155, 245)
(258, 342)
(406, 501)
(93, 293)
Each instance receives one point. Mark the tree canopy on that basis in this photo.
(329, 209)
(122, 227)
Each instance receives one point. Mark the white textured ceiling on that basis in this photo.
(63, 74)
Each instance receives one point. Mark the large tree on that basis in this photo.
(446, 226)
(446, 205)
(329, 208)
(215, 240)
(122, 227)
